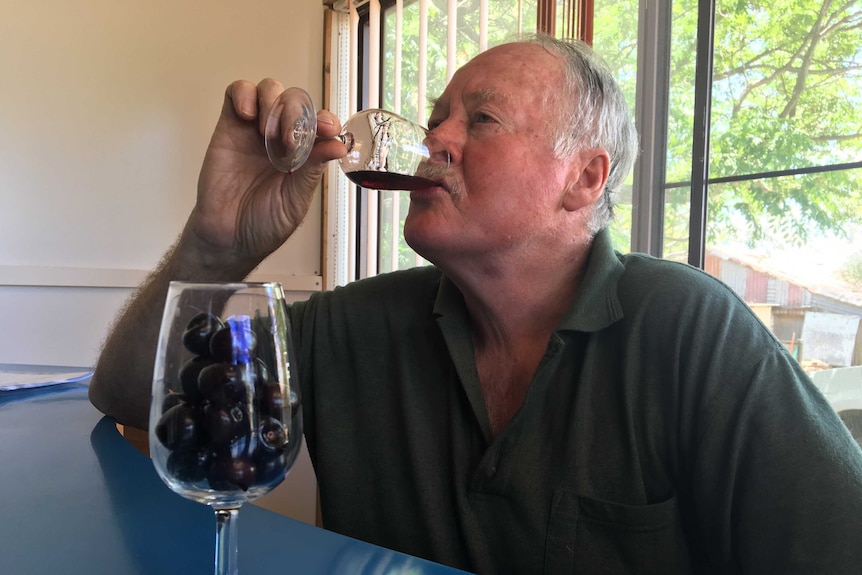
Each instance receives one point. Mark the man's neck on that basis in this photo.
(513, 312)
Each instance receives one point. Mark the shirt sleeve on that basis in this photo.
(778, 477)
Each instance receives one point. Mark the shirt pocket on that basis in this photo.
(587, 535)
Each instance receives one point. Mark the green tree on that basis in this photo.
(852, 271)
(787, 93)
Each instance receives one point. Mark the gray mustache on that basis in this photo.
(434, 172)
(440, 173)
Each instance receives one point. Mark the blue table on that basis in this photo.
(78, 498)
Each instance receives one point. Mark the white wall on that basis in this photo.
(105, 113)
(106, 108)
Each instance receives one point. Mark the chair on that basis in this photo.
(852, 418)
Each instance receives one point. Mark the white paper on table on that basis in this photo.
(12, 378)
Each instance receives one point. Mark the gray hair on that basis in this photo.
(594, 115)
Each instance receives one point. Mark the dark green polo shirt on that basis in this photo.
(665, 431)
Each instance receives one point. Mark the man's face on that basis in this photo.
(501, 198)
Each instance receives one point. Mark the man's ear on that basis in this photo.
(589, 175)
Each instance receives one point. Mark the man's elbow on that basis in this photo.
(115, 404)
(98, 397)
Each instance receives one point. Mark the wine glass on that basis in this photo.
(384, 150)
(225, 419)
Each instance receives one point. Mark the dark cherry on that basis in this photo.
(189, 465)
(224, 383)
(261, 372)
(271, 467)
(178, 427)
(235, 342)
(229, 473)
(225, 423)
(239, 446)
(199, 331)
(272, 434)
(270, 400)
(173, 399)
(189, 374)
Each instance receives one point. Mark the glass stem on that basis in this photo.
(225, 544)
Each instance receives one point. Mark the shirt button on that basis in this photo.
(489, 473)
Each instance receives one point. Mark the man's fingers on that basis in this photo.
(328, 125)
(246, 101)
(327, 146)
(268, 90)
(241, 100)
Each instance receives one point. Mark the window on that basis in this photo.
(784, 187)
(774, 209)
(750, 115)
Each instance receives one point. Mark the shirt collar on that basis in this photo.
(595, 306)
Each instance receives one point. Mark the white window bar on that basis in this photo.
(351, 109)
(422, 72)
(394, 197)
(372, 223)
(422, 65)
(399, 24)
(341, 225)
(451, 38)
(483, 25)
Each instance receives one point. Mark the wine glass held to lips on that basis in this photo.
(225, 419)
(384, 150)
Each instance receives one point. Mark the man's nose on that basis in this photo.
(438, 152)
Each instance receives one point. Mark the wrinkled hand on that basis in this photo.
(246, 208)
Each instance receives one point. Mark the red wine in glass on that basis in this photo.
(388, 180)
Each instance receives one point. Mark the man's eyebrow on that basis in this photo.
(433, 103)
(482, 96)
(486, 95)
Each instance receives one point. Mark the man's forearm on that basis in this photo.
(122, 383)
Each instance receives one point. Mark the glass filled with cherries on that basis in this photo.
(225, 419)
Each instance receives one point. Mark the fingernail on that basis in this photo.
(326, 118)
(247, 107)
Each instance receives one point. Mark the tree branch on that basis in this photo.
(812, 39)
